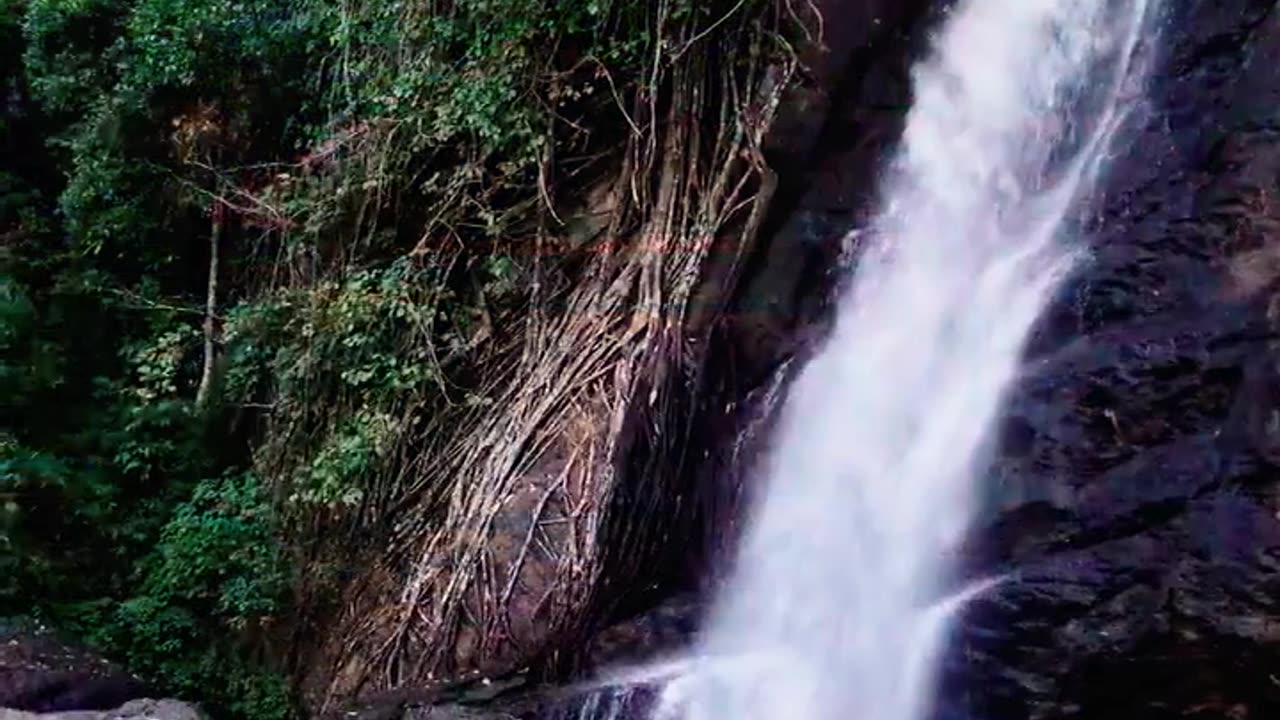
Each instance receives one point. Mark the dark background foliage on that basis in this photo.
(310, 148)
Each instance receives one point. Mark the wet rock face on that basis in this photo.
(39, 673)
(827, 145)
(830, 140)
(1136, 495)
(1134, 499)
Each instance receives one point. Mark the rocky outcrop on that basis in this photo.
(41, 673)
(44, 678)
(132, 710)
(1134, 503)
(829, 142)
(1136, 498)
(574, 500)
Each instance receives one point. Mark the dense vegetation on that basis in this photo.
(247, 250)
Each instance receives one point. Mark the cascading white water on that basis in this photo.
(836, 609)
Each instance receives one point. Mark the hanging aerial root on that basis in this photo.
(505, 515)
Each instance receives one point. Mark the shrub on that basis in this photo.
(216, 580)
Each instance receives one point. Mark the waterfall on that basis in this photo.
(838, 602)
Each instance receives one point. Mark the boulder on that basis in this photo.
(41, 673)
(144, 709)
(43, 677)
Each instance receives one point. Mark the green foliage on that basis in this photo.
(352, 453)
(216, 572)
(106, 203)
(179, 43)
(439, 127)
(371, 165)
(459, 73)
(69, 51)
(11, 71)
(27, 363)
(139, 88)
(157, 361)
(252, 346)
(365, 326)
(36, 490)
(358, 350)
(35, 483)
(103, 529)
(217, 554)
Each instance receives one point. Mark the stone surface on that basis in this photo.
(40, 673)
(1134, 502)
(827, 148)
(144, 709)
(1134, 499)
(44, 678)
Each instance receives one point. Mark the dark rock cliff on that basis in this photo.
(1135, 498)
(1134, 502)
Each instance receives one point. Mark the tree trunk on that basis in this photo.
(210, 310)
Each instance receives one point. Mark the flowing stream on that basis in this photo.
(839, 601)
